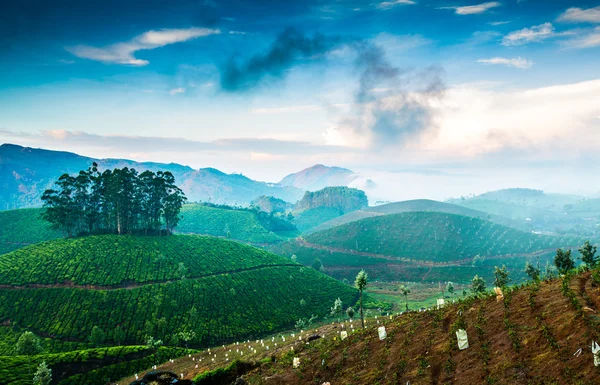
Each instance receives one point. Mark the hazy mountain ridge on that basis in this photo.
(26, 172)
(319, 176)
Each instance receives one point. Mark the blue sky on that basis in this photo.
(267, 87)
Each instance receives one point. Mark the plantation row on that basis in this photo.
(89, 367)
(10, 335)
(113, 260)
(23, 227)
(220, 222)
(434, 237)
(218, 308)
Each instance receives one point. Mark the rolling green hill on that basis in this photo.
(416, 205)
(421, 246)
(240, 224)
(23, 227)
(157, 286)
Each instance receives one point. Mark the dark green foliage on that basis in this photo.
(28, 345)
(588, 255)
(202, 303)
(563, 261)
(226, 375)
(97, 336)
(361, 283)
(317, 265)
(19, 228)
(118, 201)
(345, 199)
(532, 272)
(501, 278)
(89, 367)
(478, 285)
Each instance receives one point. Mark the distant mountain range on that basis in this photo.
(26, 172)
(319, 176)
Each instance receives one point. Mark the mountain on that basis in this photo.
(418, 205)
(157, 286)
(543, 212)
(26, 172)
(537, 334)
(416, 246)
(318, 177)
(271, 204)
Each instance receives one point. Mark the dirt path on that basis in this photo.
(135, 285)
(461, 262)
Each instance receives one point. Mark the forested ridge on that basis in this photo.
(114, 201)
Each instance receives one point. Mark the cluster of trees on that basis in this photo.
(345, 199)
(114, 201)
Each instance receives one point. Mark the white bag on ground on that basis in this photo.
(440, 303)
(382, 332)
(343, 335)
(463, 340)
(296, 362)
(596, 352)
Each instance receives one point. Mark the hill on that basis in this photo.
(157, 286)
(318, 177)
(250, 226)
(271, 204)
(421, 245)
(19, 228)
(417, 205)
(26, 172)
(320, 206)
(543, 212)
(539, 333)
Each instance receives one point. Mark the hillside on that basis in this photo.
(142, 285)
(26, 172)
(417, 205)
(240, 224)
(271, 204)
(421, 245)
(19, 228)
(318, 177)
(544, 212)
(531, 337)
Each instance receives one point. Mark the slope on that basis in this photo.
(19, 228)
(242, 224)
(157, 286)
(26, 172)
(421, 245)
(417, 205)
(527, 338)
(318, 177)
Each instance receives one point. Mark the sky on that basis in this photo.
(414, 94)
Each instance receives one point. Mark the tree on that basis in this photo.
(532, 271)
(181, 270)
(550, 271)
(350, 312)
(317, 265)
(186, 336)
(28, 345)
(97, 336)
(337, 307)
(361, 283)
(43, 375)
(450, 288)
(501, 278)
(478, 285)
(119, 335)
(478, 260)
(563, 261)
(588, 255)
(294, 258)
(405, 290)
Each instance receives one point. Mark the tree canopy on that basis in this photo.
(114, 201)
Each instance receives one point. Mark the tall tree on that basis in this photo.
(478, 285)
(588, 255)
(43, 375)
(501, 278)
(361, 283)
(532, 271)
(405, 290)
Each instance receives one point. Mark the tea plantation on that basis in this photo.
(23, 227)
(134, 287)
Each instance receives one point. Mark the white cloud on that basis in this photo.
(495, 23)
(474, 9)
(518, 62)
(586, 39)
(123, 53)
(176, 91)
(536, 33)
(393, 3)
(578, 15)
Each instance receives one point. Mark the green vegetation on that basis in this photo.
(307, 219)
(227, 292)
(89, 367)
(271, 204)
(361, 283)
(246, 225)
(24, 227)
(118, 201)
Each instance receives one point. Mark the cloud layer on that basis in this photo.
(578, 15)
(518, 62)
(123, 53)
(474, 9)
(533, 34)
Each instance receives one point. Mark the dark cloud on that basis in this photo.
(287, 50)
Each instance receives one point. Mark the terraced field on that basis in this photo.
(221, 290)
